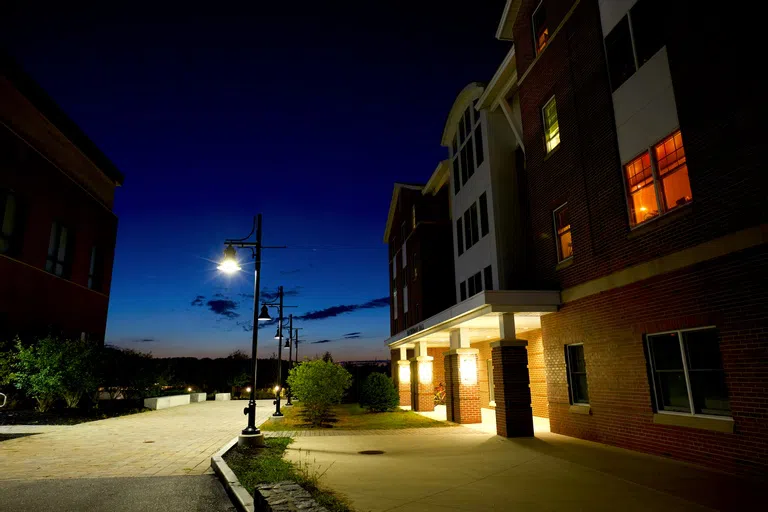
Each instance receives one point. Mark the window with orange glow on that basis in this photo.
(563, 233)
(540, 30)
(657, 180)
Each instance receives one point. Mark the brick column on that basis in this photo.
(422, 387)
(514, 417)
(462, 392)
(404, 381)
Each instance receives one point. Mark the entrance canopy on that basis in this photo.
(488, 316)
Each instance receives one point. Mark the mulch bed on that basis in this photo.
(63, 416)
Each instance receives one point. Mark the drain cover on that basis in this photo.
(149, 441)
(371, 452)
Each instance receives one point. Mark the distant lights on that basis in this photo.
(248, 389)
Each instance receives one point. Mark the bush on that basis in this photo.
(319, 385)
(379, 393)
(38, 371)
(78, 370)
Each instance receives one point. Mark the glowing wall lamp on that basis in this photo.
(468, 369)
(425, 372)
(404, 372)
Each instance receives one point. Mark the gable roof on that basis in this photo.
(393, 205)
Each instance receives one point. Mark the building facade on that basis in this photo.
(58, 229)
(643, 227)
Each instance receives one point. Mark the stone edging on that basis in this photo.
(240, 497)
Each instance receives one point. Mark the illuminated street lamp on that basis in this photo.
(279, 337)
(251, 435)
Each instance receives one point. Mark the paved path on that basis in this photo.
(458, 430)
(175, 441)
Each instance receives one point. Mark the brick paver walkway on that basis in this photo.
(176, 441)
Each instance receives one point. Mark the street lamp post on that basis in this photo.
(251, 435)
(290, 356)
(279, 338)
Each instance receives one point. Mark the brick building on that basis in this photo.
(642, 234)
(58, 229)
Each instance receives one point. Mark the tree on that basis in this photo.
(318, 384)
(78, 370)
(38, 371)
(327, 357)
(379, 393)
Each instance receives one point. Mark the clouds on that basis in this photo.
(321, 341)
(144, 340)
(223, 307)
(333, 311)
(272, 296)
(352, 335)
(198, 301)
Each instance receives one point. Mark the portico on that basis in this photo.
(478, 350)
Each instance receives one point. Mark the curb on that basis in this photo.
(237, 493)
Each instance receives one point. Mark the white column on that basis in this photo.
(507, 326)
(459, 338)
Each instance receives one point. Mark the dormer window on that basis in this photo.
(540, 30)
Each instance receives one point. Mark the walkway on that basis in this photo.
(175, 441)
(437, 470)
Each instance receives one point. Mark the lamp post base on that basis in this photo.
(251, 440)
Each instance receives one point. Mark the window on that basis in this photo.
(463, 290)
(95, 270)
(475, 284)
(483, 214)
(59, 251)
(394, 268)
(540, 30)
(474, 221)
(687, 372)
(491, 394)
(551, 126)
(459, 237)
(413, 216)
(467, 148)
(488, 277)
(657, 180)
(563, 233)
(405, 258)
(467, 230)
(577, 374)
(618, 49)
(405, 299)
(634, 40)
(402, 232)
(394, 304)
(8, 212)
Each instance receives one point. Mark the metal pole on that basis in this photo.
(251, 429)
(290, 353)
(279, 356)
(296, 340)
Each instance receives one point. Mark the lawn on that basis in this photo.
(266, 465)
(354, 417)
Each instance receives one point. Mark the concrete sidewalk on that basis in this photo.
(175, 441)
(437, 471)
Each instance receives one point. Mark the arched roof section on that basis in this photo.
(465, 98)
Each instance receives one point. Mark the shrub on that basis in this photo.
(78, 370)
(319, 385)
(379, 393)
(38, 371)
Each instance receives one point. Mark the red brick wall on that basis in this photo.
(464, 399)
(513, 394)
(438, 368)
(536, 372)
(728, 293)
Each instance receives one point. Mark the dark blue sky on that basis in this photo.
(305, 114)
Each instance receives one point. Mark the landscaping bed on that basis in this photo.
(353, 417)
(63, 416)
(266, 465)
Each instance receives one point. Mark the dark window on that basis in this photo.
(540, 30)
(479, 156)
(456, 176)
(467, 230)
(483, 214)
(96, 269)
(488, 276)
(688, 372)
(8, 215)
(459, 237)
(469, 148)
(471, 286)
(463, 290)
(475, 229)
(577, 374)
(59, 251)
(647, 29)
(464, 165)
(478, 282)
(402, 233)
(462, 130)
(618, 48)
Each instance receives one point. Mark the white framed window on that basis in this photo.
(467, 149)
(687, 375)
(59, 251)
(576, 367)
(551, 125)
(657, 180)
(562, 222)
(539, 26)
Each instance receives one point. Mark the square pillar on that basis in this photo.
(404, 381)
(462, 391)
(422, 387)
(514, 416)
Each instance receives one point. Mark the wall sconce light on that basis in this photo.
(425, 372)
(404, 373)
(468, 369)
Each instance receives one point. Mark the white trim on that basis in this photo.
(544, 122)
